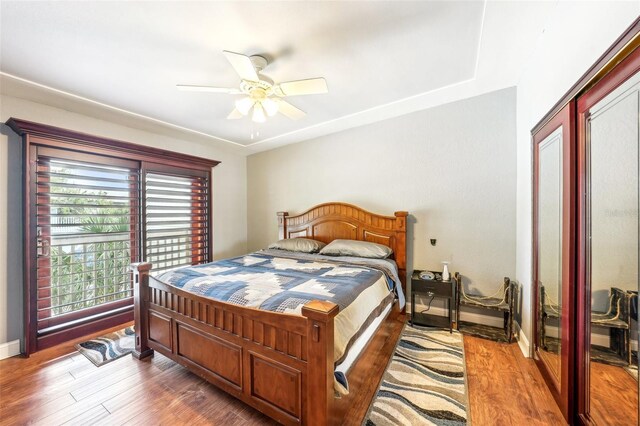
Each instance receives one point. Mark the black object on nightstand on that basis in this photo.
(432, 288)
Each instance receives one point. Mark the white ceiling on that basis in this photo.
(380, 59)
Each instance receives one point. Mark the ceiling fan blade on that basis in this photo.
(234, 115)
(311, 86)
(190, 88)
(242, 64)
(289, 110)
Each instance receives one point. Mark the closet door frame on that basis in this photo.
(618, 75)
(565, 118)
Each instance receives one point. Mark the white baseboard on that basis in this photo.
(9, 349)
(523, 342)
(596, 339)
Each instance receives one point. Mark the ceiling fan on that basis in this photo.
(262, 94)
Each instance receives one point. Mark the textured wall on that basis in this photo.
(452, 167)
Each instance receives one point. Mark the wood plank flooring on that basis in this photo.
(614, 396)
(60, 386)
(505, 388)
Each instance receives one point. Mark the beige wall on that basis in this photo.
(452, 167)
(230, 228)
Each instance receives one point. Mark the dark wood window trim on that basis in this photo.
(36, 135)
(56, 136)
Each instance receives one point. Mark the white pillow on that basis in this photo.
(304, 245)
(356, 249)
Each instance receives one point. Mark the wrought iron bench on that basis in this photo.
(502, 300)
(548, 310)
(617, 318)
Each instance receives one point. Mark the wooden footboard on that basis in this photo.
(280, 364)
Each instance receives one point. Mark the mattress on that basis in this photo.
(341, 383)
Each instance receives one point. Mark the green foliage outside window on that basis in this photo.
(93, 268)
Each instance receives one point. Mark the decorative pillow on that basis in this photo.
(356, 249)
(305, 245)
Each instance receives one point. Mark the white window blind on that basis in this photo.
(176, 218)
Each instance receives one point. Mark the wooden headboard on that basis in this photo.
(332, 221)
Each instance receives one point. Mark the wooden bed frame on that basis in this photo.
(280, 364)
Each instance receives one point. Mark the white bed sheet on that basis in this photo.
(358, 346)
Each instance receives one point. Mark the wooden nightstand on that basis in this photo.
(432, 289)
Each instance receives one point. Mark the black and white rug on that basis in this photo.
(104, 349)
(425, 382)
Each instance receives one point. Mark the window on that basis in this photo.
(176, 218)
(87, 212)
(94, 206)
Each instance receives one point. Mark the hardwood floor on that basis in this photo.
(60, 386)
(505, 388)
(614, 396)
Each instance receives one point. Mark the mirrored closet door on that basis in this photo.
(553, 201)
(586, 239)
(608, 161)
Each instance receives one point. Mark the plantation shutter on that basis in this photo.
(176, 217)
(87, 226)
(84, 224)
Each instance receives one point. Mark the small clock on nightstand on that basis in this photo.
(430, 285)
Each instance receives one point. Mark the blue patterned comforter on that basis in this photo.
(279, 281)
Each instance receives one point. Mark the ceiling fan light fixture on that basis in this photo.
(270, 106)
(262, 93)
(258, 113)
(244, 105)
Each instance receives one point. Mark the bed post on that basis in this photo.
(319, 387)
(400, 249)
(140, 300)
(282, 225)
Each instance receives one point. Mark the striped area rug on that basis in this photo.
(425, 382)
(107, 348)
